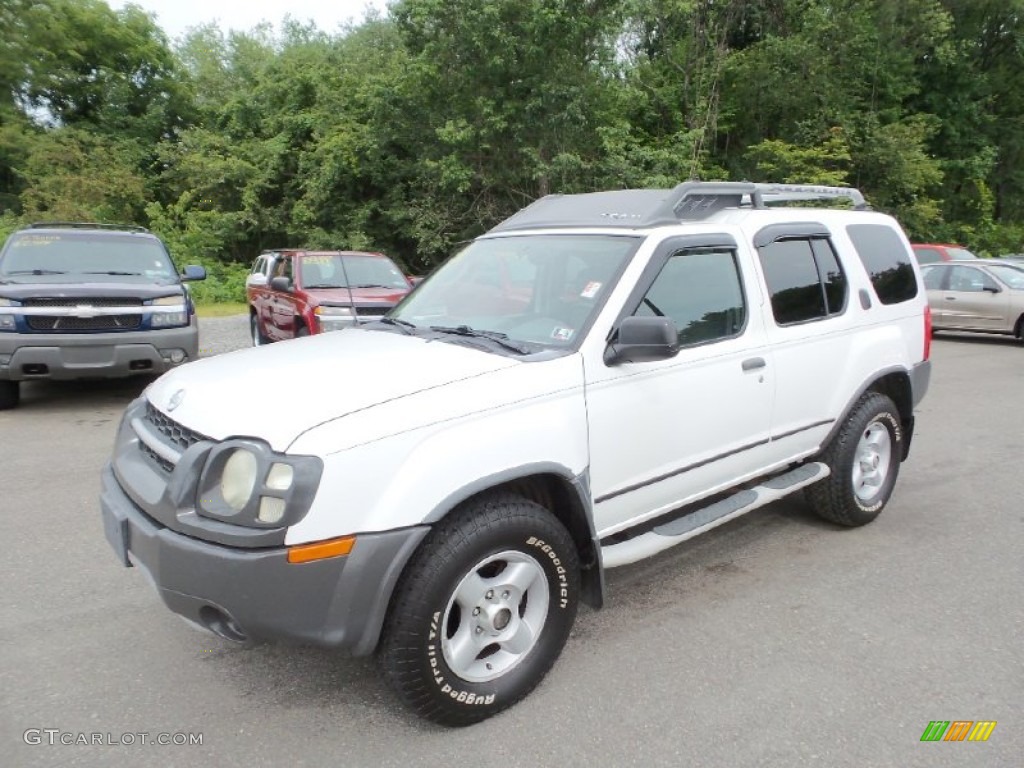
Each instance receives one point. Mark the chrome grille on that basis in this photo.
(103, 301)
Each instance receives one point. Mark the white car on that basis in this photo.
(596, 379)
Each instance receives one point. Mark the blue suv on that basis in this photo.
(84, 300)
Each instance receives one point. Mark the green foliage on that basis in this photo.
(412, 132)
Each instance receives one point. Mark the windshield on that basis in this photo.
(76, 254)
(1011, 276)
(540, 289)
(328, 271)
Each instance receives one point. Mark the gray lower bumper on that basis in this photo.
(93, 355)
(257, 594)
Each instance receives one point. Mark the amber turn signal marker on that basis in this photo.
(321, 550)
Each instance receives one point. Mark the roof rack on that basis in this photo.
(689, 201)
(86, 225)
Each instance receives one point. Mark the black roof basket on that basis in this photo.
(689, 201)
(86, 225)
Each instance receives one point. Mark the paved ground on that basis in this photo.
(776, 640)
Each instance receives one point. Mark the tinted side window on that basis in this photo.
(831, 275)
(701, 292)
(927, 255)
(886, 260)
(792, 277)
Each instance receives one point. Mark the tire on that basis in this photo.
(10, 394)
(301, 331)
(865, 460)
(452, 598)
(258, 339)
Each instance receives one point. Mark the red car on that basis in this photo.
(932, 253)
(297, 293)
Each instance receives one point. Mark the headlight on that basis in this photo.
(7, 319)
(172, 311)
(239, 479)
(246, 483)
(334, 311)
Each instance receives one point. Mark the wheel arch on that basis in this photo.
(566, 496)
(894, 383)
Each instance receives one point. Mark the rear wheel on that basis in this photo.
(482, 612)
(865, 461)
(10, 394)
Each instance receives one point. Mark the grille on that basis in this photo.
(99, 323)
(156, 458)
(104, 301)
(172, 431)
(372, 311)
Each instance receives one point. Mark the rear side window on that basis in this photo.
(886, 260)
(804, 279)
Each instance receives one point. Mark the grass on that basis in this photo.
(222, 310)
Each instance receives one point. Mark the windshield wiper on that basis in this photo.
(322, 285)
(501, 339)
(404, 325)
(37, 272)
(115, 273)
(371, 285)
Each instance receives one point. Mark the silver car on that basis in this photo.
(982, 296)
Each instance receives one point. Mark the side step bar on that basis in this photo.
(702, 519)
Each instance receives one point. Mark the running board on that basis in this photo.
(703, 519)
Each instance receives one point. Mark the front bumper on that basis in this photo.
(65, 356)
(256, 594)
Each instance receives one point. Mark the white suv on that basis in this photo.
(596, 379)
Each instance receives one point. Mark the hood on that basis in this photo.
(359, 295)
(279, 391)
(108, 289)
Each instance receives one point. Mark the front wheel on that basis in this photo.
(10, 394)
(482, 612)
(258, 339)
(865, 460)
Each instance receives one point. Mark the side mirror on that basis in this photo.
(642, 340)
(281, 283)
(193, 272)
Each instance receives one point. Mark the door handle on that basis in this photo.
(754, 363)
(951, 298)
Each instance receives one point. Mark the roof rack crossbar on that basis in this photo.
(689, 201)
(699, 199)
(85, 225)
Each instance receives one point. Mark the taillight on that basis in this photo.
(927, 332)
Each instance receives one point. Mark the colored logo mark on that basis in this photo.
(958, 730)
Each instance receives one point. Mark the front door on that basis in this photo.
(973, 300)
(666, 431)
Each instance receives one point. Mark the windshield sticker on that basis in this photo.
(317, 259)
(562, 334)
(590, 290)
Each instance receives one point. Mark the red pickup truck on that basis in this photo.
(297, 293)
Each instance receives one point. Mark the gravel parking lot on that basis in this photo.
(775, 640)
